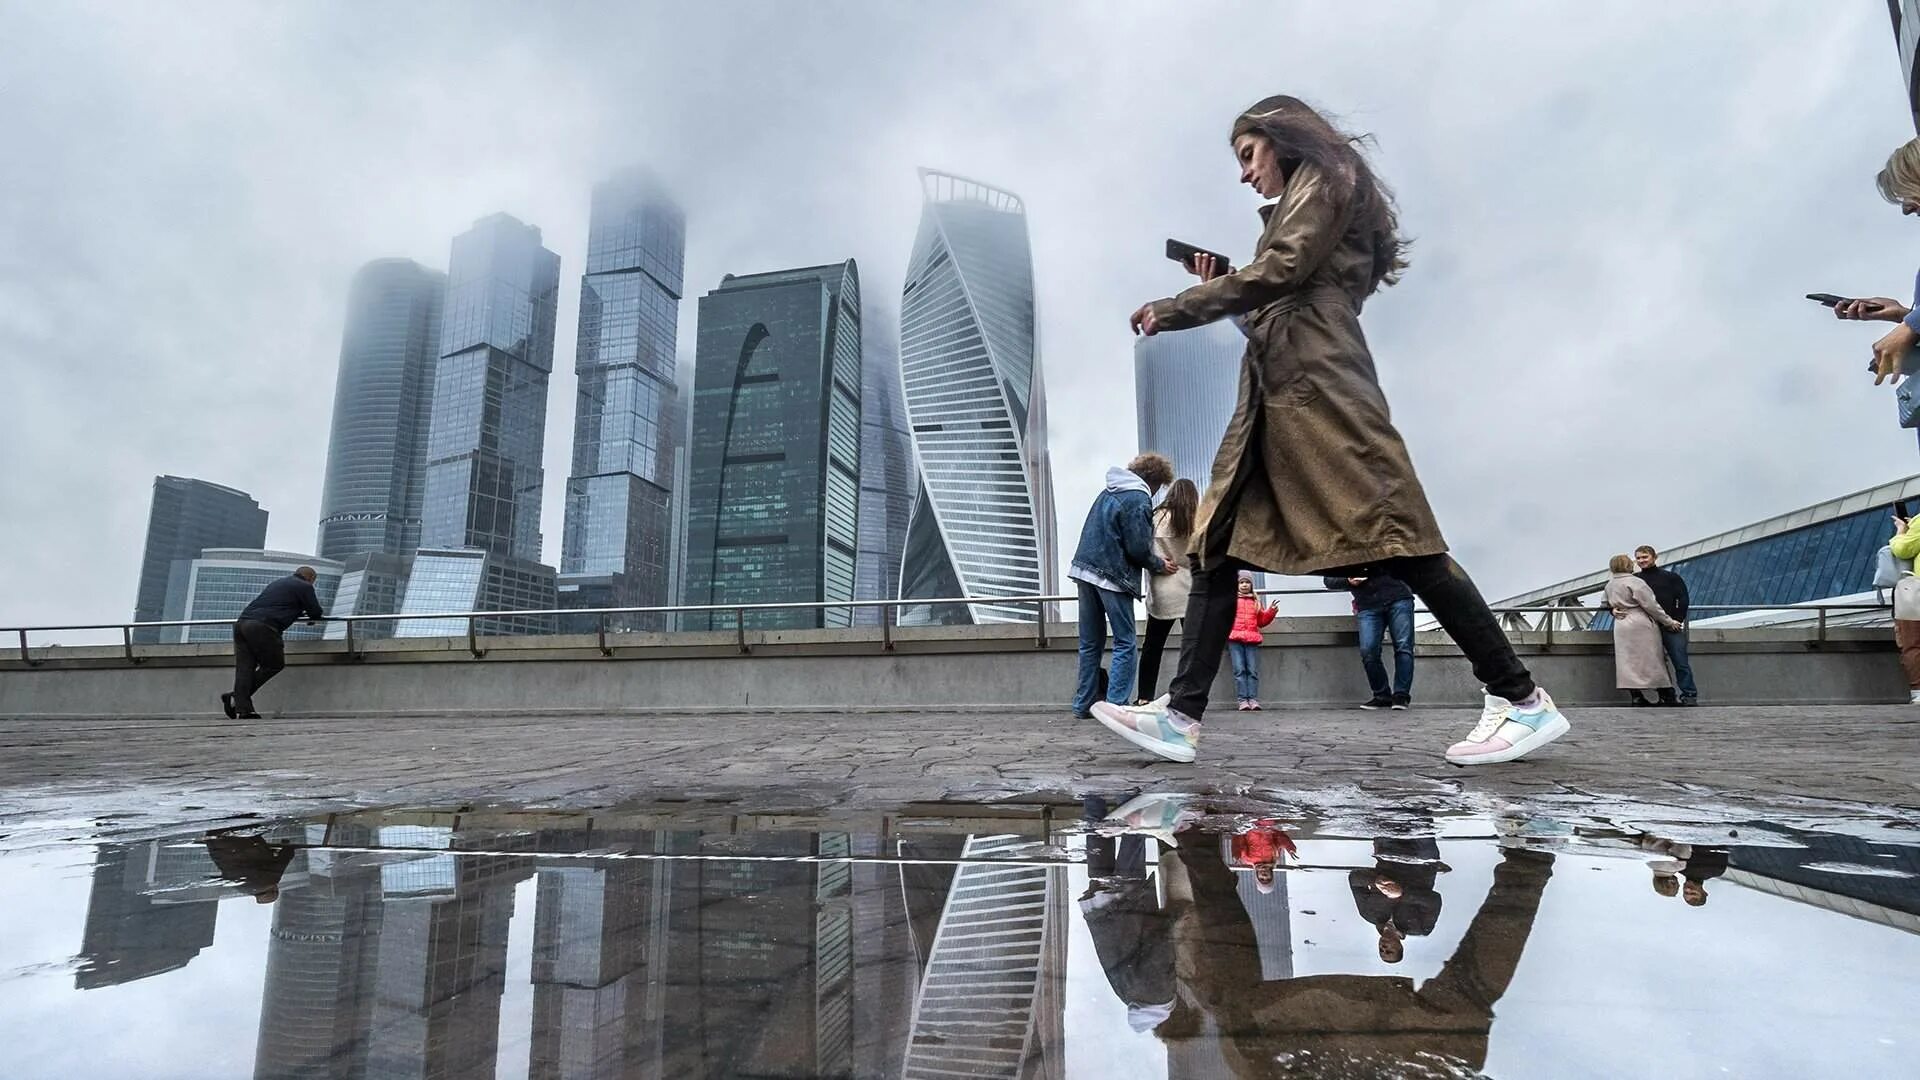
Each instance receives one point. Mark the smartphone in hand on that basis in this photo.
(1184, 253)
(1828, 299)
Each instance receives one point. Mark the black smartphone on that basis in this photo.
(1900, 509)
(1827, 298)
(1184, 253)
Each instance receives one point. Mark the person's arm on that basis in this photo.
(1682, 602)
(1906, 542)
(1312, 214)
(1136, 535)
(1263, 616)
(1336, 584)
(310, 601)
(1650, 604)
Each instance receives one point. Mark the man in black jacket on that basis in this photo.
(1382, 603)
(258, 654)
(1671, 590)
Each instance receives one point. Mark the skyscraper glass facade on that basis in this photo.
(489, 414)
(618, 539)
(187, 517)
(888, 480)
(1185, 384)
(983, 521)
(775, 458)
(382, 405)
(223, 581)
(469, 579)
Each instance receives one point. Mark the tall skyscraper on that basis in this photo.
(887, 476)
(484, 445)
(619, 535)
(187, 517)
(382, 404)
(983, 520)
(775, 461)
(1185, 384)
(489, 411)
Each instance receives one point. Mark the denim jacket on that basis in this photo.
(1116, 543)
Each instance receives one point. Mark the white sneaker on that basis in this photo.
(1505, 732)
(1914, 698)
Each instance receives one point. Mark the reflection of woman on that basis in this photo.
(1639, 659)
(1167, 593)
(1312, 477)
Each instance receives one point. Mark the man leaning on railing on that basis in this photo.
(258, 653)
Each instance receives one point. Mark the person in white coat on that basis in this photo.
(1167, 593)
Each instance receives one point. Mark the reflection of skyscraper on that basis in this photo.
(888, 479)
(589, 938)
(317, 1002)
(382, 402)
(773, 514)
(129, 933)
(619, 525)
(187, 517)
(990, 1003)
(983, 521)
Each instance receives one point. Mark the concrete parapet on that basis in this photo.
(1306, 661)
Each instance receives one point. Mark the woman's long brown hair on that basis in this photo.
(1180, 505)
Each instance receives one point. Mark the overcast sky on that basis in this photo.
(1602, 342)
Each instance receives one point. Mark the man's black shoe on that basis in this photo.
(226, 706)
(248, 715)
(1402, 702)
(1377, 703)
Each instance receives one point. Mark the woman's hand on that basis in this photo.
(1143, 321)
(1206, 267)
(1872, 309)
(1890, 351)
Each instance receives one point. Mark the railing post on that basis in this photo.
(1040, 625)
(473, 638)
(351, 654)
(1821, 637)
(1548, 647)
(126, 642)
(604, 651)
(886, 628)
(740, 629)
(24, 654)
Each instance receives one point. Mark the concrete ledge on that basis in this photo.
(1307, 661)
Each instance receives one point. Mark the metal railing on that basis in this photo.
(888, 608)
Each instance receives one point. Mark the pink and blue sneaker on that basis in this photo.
(1152, 727)
(1506, 731)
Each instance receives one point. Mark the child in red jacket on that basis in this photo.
(1244, 642)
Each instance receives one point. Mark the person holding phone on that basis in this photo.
(1899, 183)
(1905, 544)
(1311, 477)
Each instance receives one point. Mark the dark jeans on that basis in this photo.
(1374, 623)
(1156, 643)
(258, 655)
(1100, 609)
(1449, 594)
(1676, 643)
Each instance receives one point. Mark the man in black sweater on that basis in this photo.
(1671, 590)
(1382, 604)
(258, 654)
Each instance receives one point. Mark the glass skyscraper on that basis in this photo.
(382, 402)
(775, 460)
(983, 517)
(489, 413)
(887, 476)
(1185, 384)
(187, 517)
(617, 545)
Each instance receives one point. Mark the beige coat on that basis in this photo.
(1639, 658)
(1311, 476)
(1167, 593)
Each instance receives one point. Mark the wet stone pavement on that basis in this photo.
(1721, 892)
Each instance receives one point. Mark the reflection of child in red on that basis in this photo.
(1262, 846)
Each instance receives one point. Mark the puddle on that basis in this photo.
(1156, 936)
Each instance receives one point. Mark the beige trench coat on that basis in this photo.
(1167, 593)
(1639, 657)
(1311, 475)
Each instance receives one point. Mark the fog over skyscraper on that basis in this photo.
(983, 520)
(888, 479)
(617, 545)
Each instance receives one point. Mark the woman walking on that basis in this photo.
(1167, 593)
(1311, 477)
(1639, 657)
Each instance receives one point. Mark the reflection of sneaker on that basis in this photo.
(1156, 728)
(1506, 732)
(1155, 814)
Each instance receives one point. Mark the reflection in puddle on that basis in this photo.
(1150, 936)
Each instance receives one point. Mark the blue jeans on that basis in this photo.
(1100, 609)
(1246, 669)
(1374, 622)
(1676, 643)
